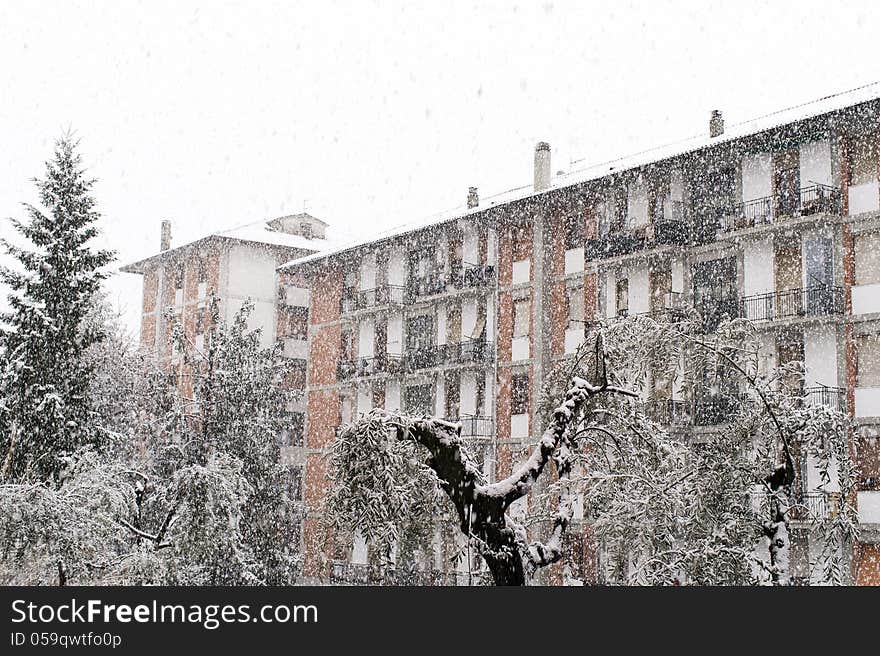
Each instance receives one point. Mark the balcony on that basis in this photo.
(830, 397)
(428, 285)
(670, 232)
(715, 410)
(474, 351)
(668, 412)
(813, 506)
(386, 363)
(472, 275)
(346, 369)
(380, 296)
(475, 427)
(424, 357)
(792, 303)
(814, 199)
(614, 245)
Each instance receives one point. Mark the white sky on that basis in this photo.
(377, 114)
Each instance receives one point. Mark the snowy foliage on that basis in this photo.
(44, 407)
(183, 490)
(710, 505)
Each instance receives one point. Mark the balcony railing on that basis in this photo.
(668, 412)
(357, 574)
(346, 369)
(381, 296)
(614, 245)
(472, 275)
(813, 199)
(715, 410)
(792, 303)
(386, 363)
(427, 285)
(814, 506)
(477, 351)
(424, 357)
(670, 232)
(831, 397)
(475, 426)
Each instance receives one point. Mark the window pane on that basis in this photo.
(576, 304)
(867, 266)
(521, 312)
(864, 159)
(519, 394)
(868, 361)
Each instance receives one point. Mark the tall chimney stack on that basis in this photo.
(542, 166)
(473, 199)
(716, 124)
(166, 235)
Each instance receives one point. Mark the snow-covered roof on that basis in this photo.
(259, 232)
(807, 110)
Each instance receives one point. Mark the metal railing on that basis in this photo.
(346, 369)
(807, 506)
(381, 296)
(812, 199)
(477, 351)
(475, 426)
(472, 275)
(429, 285)
(715, 410)
(801, 302)
(385, 363)
(831, 397)
(671, 232)
(668, 412)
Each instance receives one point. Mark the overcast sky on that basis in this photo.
(376, 114)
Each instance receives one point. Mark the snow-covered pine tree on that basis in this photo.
(44, 414)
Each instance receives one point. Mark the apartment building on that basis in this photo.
(776, 220)
(233, 266)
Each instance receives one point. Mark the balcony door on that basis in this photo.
(819, 277)
(788, 182)
(661, 288)
(787, 265)
(715, 292)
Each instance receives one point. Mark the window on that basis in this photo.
(715, 292)
(521, 318)
(867, 245)
(519, 395)
(293, 433)
(202, 270)
(420, 333)
(200, 321)
(574, 231)
(178, 277)
(622, 297)
(863, 159)
(294, 487)
(575, 308)
(419, 400)
(306, 229)
(868, 360)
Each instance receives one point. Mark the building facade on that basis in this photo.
(776, 221)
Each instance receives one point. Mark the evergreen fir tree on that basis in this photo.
(44, 414)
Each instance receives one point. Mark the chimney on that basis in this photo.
(716, 124)
(166, 235)
(542, 166)
(473, 198)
